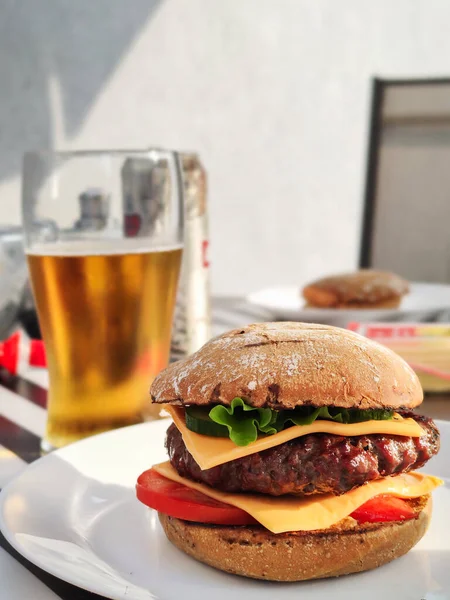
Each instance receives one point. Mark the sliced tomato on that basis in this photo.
(383, 508)
(181, 502)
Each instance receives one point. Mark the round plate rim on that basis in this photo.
(254, 298)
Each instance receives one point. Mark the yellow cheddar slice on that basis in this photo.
(288, 513)
(209, 451)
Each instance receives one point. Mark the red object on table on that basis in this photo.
(18, 351)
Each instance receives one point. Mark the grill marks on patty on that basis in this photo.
(312, 464)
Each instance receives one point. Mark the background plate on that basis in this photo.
(424, 301)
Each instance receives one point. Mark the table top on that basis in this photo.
(22, 424)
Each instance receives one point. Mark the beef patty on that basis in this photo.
(317, 463)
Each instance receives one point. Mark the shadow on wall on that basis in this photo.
(79, 44)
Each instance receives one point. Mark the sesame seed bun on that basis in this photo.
(285, 365)
(258, 553)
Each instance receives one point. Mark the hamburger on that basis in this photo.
(367, 289)
(292, 454)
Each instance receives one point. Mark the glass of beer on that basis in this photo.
(103, 237)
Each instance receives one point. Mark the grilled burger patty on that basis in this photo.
(317, 463)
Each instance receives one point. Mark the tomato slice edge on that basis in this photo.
(382, 509)
(180, 501)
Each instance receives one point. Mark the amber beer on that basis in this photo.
(106, 323)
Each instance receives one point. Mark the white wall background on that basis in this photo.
(274, 94)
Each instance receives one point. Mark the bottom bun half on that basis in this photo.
(298, 556)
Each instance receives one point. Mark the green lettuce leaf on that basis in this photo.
(307, 415)
(245, 423)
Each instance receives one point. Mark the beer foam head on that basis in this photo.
(94, 247)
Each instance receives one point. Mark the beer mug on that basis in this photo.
(104, 257)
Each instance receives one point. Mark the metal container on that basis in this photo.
(13, 277)
(94, 210)
(143, 186)
(192, 321)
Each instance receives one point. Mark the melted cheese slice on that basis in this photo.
(209, 451)
(288, 513)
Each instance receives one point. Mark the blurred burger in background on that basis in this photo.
(365, 289)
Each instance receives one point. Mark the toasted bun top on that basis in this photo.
(284, 365)
(360, 286)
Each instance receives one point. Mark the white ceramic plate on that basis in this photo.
(423, 301)
(74, 514)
